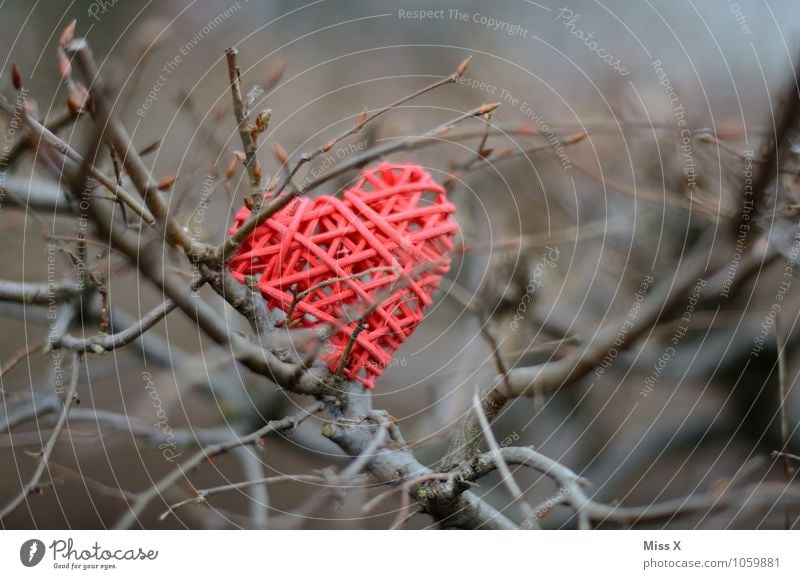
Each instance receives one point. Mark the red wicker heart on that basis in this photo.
(375, 257)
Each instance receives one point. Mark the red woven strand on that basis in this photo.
(379, 251)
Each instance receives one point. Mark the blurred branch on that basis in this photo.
(203, 494)
(397, 466)
(366, 117)
(50, 445)
(113, 129)
(62, 121)
(209, 452)
(64, 149)
(37, 195)
(588, 510)
(548, 378)
(37, 293)
(499, 461)
(108, 342)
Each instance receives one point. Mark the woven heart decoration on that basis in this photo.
(367, 264)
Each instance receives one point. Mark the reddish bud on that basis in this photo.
(486, 109)
(16, 77)
(462, 68)
(577, 137)
(67, 35)
(274, 75)
(280, 153)
(262, 120)
(526, 129)
(64, 67)
(230, 168)
(167, 182)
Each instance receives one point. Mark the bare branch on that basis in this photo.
(39, 294)
(64, 149)
(118, 136)
(247, 132)
(505, 472)
(144, 499)
(228, 249)
(50, 445)
(108, 342)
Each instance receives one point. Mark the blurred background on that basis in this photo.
(640, 117)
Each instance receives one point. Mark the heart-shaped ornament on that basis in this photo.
(366, 264)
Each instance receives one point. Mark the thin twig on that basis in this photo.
(107, 342)
(229, 247)
(35, 293)
(144, 499)
(247, 132)
(22, 354)
(587, 509)
(203, 494)
(366, 117)
(253, 468)
(50, 445)
(64, 149)
(788, 472)
(505, 472)
(119, 138)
